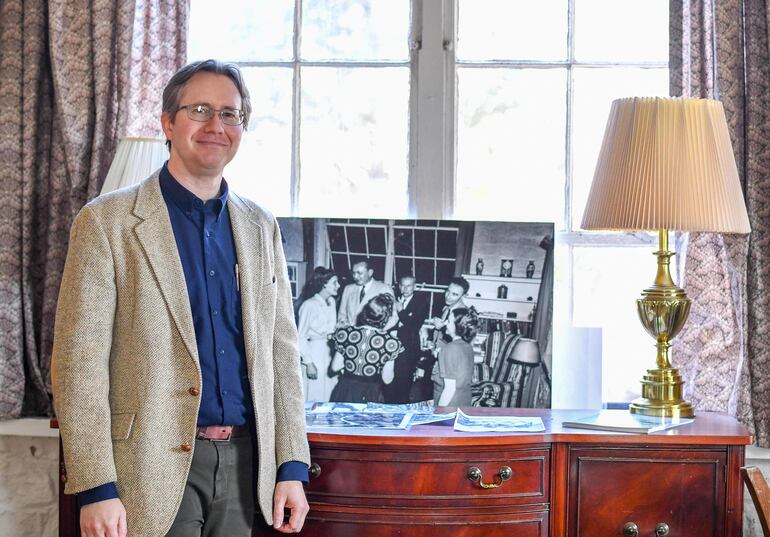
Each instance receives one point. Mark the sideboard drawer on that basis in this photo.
(326, 521)
(435, 477)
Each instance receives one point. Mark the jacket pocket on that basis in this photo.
(122, 424)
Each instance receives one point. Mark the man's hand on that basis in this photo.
(104, 519)
(291, 495)
(311, 370)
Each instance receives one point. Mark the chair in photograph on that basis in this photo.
(512, 364)
(760, 494)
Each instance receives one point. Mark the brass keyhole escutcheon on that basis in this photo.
(314, 470)
(504, 474)
(630, 530)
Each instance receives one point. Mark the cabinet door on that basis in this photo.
(609, 488)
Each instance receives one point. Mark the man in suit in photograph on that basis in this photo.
(361, 291)
(412, 311)
(453, 299)
(175, 363)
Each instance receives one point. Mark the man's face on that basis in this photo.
(361, 274)
(201, 149)
(406, 286)
(453, 294)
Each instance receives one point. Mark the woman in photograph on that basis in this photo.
(452, 378)
(317, 317)
(365, 354)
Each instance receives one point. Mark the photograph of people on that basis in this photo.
(317, 319)
(412, 310)
(358, 293)
(452, 378)
(365, 354)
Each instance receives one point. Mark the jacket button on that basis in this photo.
(186, 448)
(194, 391)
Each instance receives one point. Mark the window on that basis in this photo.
(454, 109)
(329, 85)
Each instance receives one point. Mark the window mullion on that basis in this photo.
(432, 123)
(296, 111)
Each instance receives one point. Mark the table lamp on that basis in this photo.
(665, 164)
(135, 160)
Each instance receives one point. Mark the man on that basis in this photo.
(412, 311)
(356, 294)
(176, 371)
(453, 299)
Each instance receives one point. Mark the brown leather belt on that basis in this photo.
(222, 433)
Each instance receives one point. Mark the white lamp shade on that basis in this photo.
(666, 163)
(135, 160)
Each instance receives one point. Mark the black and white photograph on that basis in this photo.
(403, 311)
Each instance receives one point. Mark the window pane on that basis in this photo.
(356, 240)
(621, 30)
(375, 236)
(607, 282)
(512, 30)
(355, 30)
(403, 267)
(354, 142)
(402, 242)
(261, 170)
(510, 144)
(446, 244)
(595, 89)
(425, 242)
(241, 30)
(424, 271)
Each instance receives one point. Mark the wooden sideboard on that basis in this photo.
(683, 482)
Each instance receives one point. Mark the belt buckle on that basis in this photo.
(213, 437)
(229, 434)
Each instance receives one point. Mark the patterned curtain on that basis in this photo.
(720, 50)
(75, 76)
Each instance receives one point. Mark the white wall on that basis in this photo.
(29, 479)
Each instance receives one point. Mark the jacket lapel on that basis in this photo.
(249, 247)
(157, 239)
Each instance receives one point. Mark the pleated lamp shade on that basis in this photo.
(135, 159)
(666, 163)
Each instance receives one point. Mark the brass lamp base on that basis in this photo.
(662, 395)
(663, 310)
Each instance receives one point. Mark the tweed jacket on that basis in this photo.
(351, 304)
(125, 358)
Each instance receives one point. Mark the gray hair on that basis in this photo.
(173, 89)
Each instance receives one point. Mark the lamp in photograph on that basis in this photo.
(665, 164)
(135, 160)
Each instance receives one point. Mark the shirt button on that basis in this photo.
(215, 312)
(208, 233)
(187, 448)
(221, 351)
(194, 391)
(224, 392)
(211, 273)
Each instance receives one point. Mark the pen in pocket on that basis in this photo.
(237, 279)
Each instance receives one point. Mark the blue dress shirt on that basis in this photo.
(204, 240)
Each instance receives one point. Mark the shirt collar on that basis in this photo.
(186, 200)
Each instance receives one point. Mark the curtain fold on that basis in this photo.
(69, 78)
(464, 247)
(720, 50)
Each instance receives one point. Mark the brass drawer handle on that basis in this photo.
(630, 529)
(314, 470)
(505, 473)
(661, 529)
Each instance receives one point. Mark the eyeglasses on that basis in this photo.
(203, 113)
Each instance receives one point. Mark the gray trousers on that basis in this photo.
(219, 498)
